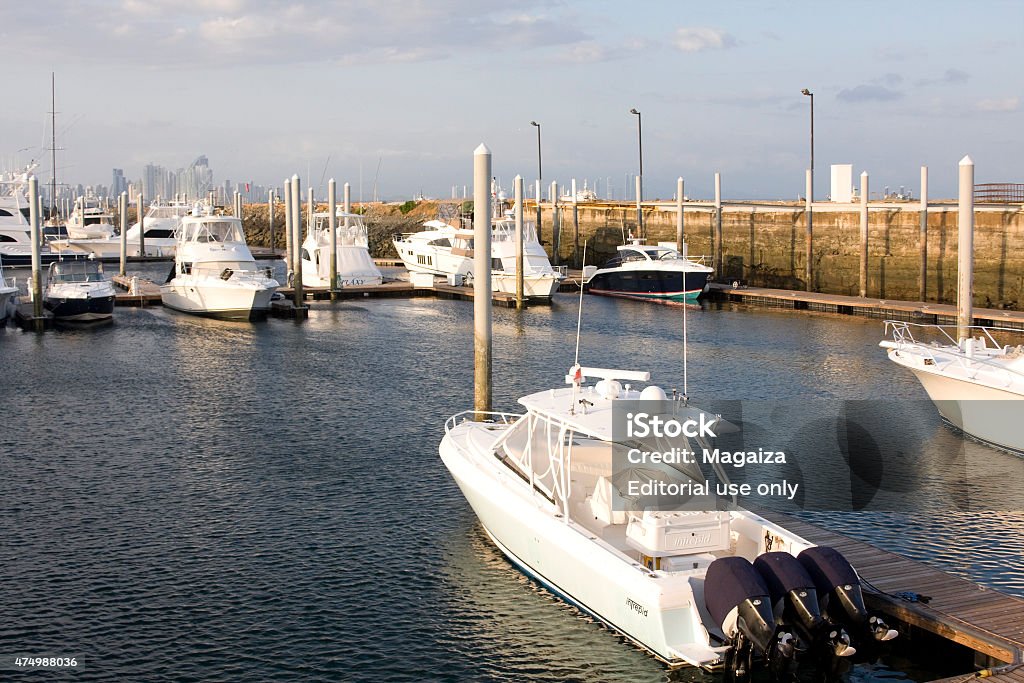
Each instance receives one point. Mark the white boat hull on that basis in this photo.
(213, 299)
(542, 286)
(109, 249)
(7, 295)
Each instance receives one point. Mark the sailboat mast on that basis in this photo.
(53, 144)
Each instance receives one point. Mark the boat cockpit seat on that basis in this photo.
(604, 501)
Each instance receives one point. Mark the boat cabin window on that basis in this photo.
(443, 242)
(76, 271)
(7, 238)
(496, 264)
(93, 220)
(5, 212)
(160, 233)
(216, 231)
(25, 211)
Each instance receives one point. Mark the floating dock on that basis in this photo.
(913, 311)
(986, 621)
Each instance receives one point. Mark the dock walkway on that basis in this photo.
(982, 619)
(915, 311)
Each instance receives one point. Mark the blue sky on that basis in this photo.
(266, 89)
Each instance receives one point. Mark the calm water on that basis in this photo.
(183, 499)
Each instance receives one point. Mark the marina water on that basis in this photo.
(187, 499)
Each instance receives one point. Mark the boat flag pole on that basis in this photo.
(577, 372)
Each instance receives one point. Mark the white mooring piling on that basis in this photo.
(518, 187)
(332, 225)
(270, 218)
(965, 252)
(481, 280)
(864, 188)
(556, 225)
(288, 260)
(37, 268)
(122, 211)
(297, 241)
(142, 224)
(718, 226)
(922, 243)
(680, 236)
(809, 246)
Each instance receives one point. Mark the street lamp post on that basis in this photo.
(808, 255)
(540, 177)
(640, 178)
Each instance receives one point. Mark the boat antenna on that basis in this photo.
(577, 372)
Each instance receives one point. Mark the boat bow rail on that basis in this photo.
(972, 357)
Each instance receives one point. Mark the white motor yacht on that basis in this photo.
(444, 249)
(89, 220)
(161, 223)
(8, 295)
(977, 385)
(77, 291)
(705, 587)
(215, 274)
(650, 273)
(355, 266)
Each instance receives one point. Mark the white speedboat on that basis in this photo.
(651, 273)
(8, 295)
(355, 266)
(703, 587)
(977, 385)
(444, 249)
(215, 274)
(77, 291)
(161, 222)
(89, 220)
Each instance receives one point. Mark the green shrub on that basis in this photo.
(407, 207)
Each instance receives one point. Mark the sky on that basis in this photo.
(400, 92)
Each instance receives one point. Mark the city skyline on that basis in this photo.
(397, 96)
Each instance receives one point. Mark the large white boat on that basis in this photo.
(355, 266)
(89, 220)
(77, 291)
(977, 385)
(700, 587)
(444, 249)
(215, 274)
(161, 223)
(651, 273)
(8, 295)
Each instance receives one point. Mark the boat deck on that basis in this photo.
(982, 619)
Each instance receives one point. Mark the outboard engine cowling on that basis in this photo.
(839, 587)
(738, 600)
(787, 580)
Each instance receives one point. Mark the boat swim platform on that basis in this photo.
(889, 309)
(987, 621)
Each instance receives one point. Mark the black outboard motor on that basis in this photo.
(840, 593)
(795, 600)
(739, 602)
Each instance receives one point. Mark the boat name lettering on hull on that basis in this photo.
(636, 607)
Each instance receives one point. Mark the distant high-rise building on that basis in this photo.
(119, 183)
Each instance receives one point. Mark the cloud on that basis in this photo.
(698, 39)
(868, 93)
(999, 105)
(951, 77)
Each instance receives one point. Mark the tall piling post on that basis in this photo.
(518, 189)
(36, 234)
(481, 281)
(537, 227)
(332, 225)
(864, 190)
(310, 211)
(142, 224)
(680, 237)
(122, 211)
(809, 246)
(718, 226)
(575, 225)
(270, 218)
(289, 260)
(922, 242)
(296, 207)
(556, 226)
(965, 252)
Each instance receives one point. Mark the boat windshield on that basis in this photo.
(215, 231)
(167, 211)
(76, 271)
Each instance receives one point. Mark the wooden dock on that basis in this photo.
(147, 292)
(984, 620)
(914, 311)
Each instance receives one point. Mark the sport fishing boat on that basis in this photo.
(355, 266)
(651, 273)
(444, 249)
(77, 291)
(89, 220)
(161, 224)
(215, 274)
(703, 587)
(977, 384)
